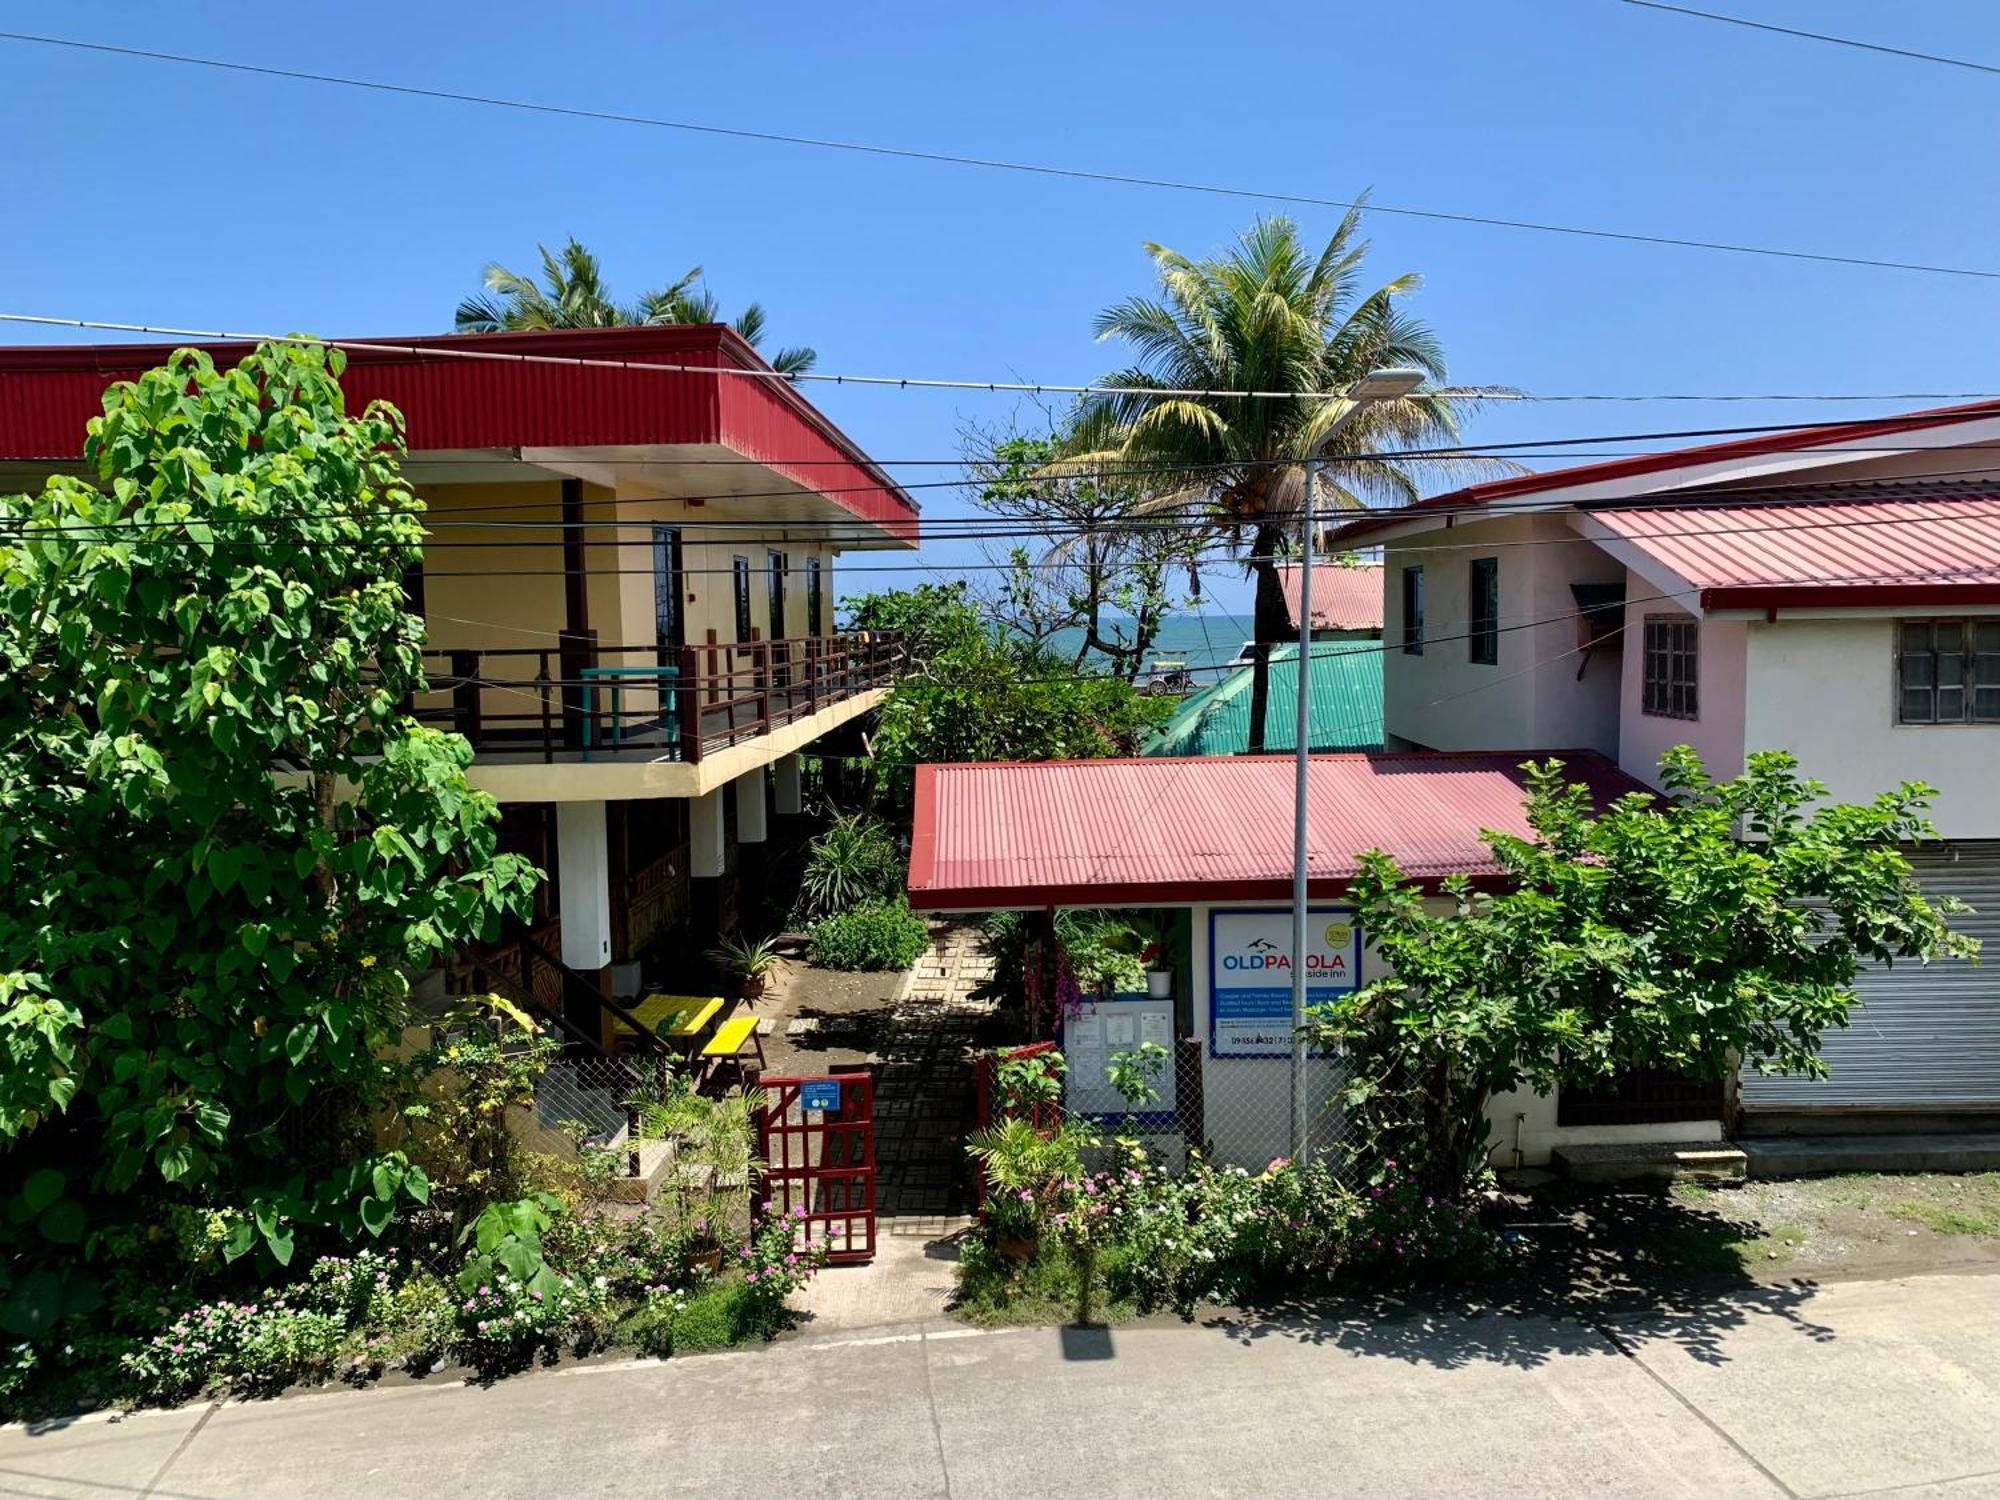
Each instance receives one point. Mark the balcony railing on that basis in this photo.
(580, 700)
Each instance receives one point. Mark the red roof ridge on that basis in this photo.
(1679, 458)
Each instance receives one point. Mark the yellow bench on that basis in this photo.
(734, 1041)
(675, 1018)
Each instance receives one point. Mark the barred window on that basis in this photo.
(1413, 611)
(1483, 633)
(1948, 671)
(1672, 667)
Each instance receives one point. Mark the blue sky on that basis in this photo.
(150, 193)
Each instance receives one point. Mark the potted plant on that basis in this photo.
(751, 963)
(1159, 978)
(714, 1147)
(1026, 1173)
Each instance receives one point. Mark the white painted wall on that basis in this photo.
(1824, 690)
(1524, 1133)
(1533, 698)
(1718, 734)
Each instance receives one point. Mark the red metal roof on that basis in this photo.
(450, 402)
(1344, 598)
(1860, 552)
(1680, 458)
(1164, 832)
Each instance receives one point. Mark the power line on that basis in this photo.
(1816, 36)
(1041, 169)
(914, 382)
(1691, 503)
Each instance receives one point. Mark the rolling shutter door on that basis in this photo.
(1925, 1037)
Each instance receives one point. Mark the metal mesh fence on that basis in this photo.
(1234, 1111)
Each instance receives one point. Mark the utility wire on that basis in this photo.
(907, 382)
(1816, 36)
(1842, 524)
(1192, 520)
(1041, 169)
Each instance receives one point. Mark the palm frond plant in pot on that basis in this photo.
(1027, 1175)
(751, 963)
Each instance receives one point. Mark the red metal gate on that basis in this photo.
(816, 1137)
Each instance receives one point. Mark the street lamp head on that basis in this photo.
(1386, 385)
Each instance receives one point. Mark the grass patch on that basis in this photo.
(1701, 1248)
(1944, 1218)
(720, 1314)
(998, 1293)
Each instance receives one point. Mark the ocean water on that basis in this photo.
(1200, 640)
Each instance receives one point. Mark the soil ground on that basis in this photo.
(1629, 1247)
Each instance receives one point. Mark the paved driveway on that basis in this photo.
(1866, 1388)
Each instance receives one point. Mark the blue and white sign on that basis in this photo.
(1250, 975)
(820, 1094)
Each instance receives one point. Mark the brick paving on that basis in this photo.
(924, 1091)
(917, 1038)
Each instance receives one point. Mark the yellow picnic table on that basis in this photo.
(676, 1018)
(732, 1042)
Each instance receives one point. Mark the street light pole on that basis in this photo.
(1380, 385)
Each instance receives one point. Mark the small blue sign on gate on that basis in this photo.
(820, 1094)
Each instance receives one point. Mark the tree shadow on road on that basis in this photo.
(1578, 1269)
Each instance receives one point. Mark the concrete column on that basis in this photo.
(751, 824)
(583, 885)
(705, 836)
(786, 783)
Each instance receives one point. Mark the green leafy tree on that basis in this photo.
(1722, 923)
(223, 846)
(932, 619)
(1269, 315)
(1095, 562)
(971, 694)
(572, 294)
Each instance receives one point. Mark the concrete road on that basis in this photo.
(1867, 1388)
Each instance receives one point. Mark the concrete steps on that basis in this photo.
(1819, 1155)
(656, 1159)
(1691, 1161)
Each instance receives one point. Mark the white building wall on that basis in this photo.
(1531, 699)
(1718, 733)
(1824, 689)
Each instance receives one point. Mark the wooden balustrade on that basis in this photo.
(579, 698)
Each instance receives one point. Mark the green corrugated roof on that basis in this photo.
(1346, 706)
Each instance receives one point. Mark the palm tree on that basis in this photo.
(572, 294)
(1269, 316)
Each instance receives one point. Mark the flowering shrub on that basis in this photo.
(248, 1347)
(358, 1288)
(780, 1258)
(1222, 1234)
(652, 1324)
(506, 1324)
(1398, 1231)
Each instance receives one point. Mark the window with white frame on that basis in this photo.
(1948, 671)
(1671, 670)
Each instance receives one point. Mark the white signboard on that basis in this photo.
(1250, 975)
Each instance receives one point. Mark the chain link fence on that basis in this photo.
(1184, 1100)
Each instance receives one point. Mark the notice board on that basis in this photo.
(1098, 1030)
